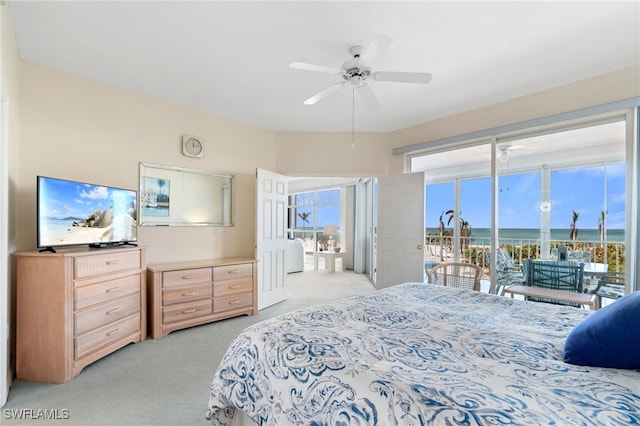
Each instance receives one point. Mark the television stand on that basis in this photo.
(76, 307)
(45, 249)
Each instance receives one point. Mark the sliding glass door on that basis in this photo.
(560, 188)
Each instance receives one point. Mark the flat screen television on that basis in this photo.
(77, 213)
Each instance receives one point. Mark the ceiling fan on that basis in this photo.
(358, 72)
(506, 150)
(503, 153)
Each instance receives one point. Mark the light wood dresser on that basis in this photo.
(185, 294)
(76, 307)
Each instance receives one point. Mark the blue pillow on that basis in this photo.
(610, 337)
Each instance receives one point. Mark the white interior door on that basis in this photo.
(400, 229)
(271, 236)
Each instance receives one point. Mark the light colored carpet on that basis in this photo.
(163, 382)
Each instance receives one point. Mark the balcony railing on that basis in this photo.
(474, 249)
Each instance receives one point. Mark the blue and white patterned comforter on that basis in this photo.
(419, 354)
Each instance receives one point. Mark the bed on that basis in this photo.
(419, 354)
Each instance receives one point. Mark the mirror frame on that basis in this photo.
(184, 204)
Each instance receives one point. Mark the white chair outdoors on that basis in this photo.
(507, 271)
(459, 275)
(580, 256)
(610, 286)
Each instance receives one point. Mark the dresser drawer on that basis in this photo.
(103, 336)
(186, 277)
(113, 261)
(234, 286)
(106, 313)
(232, 271)
(102, 292)
(186, 311)
(229, 303)
(184, 294)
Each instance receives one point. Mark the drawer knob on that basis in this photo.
(113, 311)
(188, 277)
(234, 302)
(113, 262)
(189, 311)
(112, 289)
(111, 333)
(193, 293)
(234, 286)
(233, 271)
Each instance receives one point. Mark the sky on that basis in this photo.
(582, 190)
(61, 199)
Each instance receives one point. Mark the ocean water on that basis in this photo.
(52, 224)
(591, 235)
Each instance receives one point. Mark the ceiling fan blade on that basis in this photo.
(368, 97)
(376, 46)
(402, 77)
(312, 67)
(326, 92)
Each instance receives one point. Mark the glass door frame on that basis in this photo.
(632, 161)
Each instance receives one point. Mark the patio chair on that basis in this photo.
(507, 271)
(459, 275)
(610, 286)
(555, 275)
(583, 256)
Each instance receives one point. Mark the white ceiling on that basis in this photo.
(595, 144)
(232, 58)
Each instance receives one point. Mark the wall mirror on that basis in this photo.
(174, 196)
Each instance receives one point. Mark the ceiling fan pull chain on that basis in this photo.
(353, 116)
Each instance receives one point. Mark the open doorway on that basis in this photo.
(331, 225)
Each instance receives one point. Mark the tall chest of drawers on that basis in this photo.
(185, 294)
(74, 308)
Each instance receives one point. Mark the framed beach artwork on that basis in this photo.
(155, 197)
(175, 196)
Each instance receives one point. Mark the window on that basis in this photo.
(311, 213)
(570, 178)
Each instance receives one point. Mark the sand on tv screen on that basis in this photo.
(77, 213)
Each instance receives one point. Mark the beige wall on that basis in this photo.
(9, 165)
(619, 85)
(78, 129)
(332, 154)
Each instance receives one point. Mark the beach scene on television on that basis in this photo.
(77, 213)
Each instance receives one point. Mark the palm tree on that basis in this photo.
(161, 184)
(441, 232)
(465, 229)
(305, 216)
(602, 225)
(573, 230)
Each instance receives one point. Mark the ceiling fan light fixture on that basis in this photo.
(503, 155)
